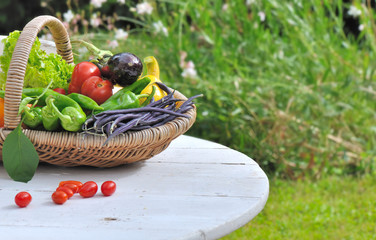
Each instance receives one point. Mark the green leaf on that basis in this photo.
(20, 158)
(41, 68)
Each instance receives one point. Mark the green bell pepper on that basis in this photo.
(59, 109)
(67, 111)
(50, 119)
(85, 102)
(32, 116)
(124, 101)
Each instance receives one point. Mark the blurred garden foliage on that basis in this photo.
(289, 83)
(82, 10)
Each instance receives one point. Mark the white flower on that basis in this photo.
(121, 34)
(144, 8)
(159, 27)
(189, 73)
(95, 21)
(354, 12)
(189, 70)
(225, 7)
(97, 3)
(279, 55)
(361, 27)
(121, 1)
(68, 16)
(261, 16)
(113, 44)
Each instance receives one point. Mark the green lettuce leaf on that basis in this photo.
(41, 68)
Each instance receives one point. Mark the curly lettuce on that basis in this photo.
(41, 69)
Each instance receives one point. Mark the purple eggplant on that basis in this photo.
(124, 68)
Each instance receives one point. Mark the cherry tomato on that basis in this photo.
(59, 197)
(108, 188)
(70, 184)
(81, 72)
(97, 89)
(1, 112)
(89, 189)
(72, 187)
(67, 190)
(22, 199)
(106, 72)
(60, 90)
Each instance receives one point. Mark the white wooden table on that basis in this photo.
(195, 189)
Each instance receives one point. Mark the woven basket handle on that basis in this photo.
(17, 67)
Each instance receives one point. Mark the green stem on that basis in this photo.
(149, 97)
(101, 55)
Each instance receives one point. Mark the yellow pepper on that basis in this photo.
(152, 68)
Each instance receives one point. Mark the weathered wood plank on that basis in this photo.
(193, 190)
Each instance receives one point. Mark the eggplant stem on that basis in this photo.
(99, 53)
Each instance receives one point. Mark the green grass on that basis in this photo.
(331, 208)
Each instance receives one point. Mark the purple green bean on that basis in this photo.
(115, 122)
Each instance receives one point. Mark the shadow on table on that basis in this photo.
(81, 172)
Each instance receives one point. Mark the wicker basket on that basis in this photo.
(77, 149)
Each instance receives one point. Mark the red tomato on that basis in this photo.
(59, 197)
(89, 189)
(73, 187)
(97, 89)
(67, 190)
(60, 90)
(1, 112)
(106, 72)
(108, 188)
(78, 183)
(81, 72)
(22, 199)
(72, 184)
